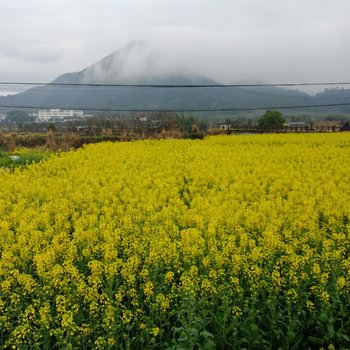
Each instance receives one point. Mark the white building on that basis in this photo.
(45, 115)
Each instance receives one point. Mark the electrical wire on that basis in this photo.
(170, 86)
(228, 109)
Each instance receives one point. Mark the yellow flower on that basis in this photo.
(324, 296)
(169, 276)
(127, 316)
(123, 232)
(163, 302)
(236, 312)
(310, 305)
(154, 331)
(148, 289)
(341, 282)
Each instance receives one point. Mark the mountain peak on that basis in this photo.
(130, 64)
(136, 63)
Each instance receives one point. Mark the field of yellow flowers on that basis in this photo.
(230, 242)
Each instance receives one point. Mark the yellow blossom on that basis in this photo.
(154, 331)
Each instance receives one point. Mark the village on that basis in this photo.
(57, 119)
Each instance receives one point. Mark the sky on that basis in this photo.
(270, 41)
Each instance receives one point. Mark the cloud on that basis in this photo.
(228, 40)
(37, 53)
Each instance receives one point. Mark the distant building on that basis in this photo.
(297, 124)
(45, 115)
(327, 125)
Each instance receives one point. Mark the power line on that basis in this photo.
(168, 86)
(229, 109)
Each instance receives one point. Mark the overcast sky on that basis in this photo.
(227, 40)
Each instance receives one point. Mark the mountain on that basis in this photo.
(138, 63)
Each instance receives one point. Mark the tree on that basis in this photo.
(51, 127)
(271, 120)
(17, 116)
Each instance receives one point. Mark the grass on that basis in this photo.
(21, 158)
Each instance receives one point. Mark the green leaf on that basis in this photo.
(330, 332)
(206, 334)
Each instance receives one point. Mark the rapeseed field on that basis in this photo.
(232, 242)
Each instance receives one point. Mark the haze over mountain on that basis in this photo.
(139, 63)
(135, 63)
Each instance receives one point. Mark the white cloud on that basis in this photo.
(228, 40)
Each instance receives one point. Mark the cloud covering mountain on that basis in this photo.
(229, 41)
(140, 63)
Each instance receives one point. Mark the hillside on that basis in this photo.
(136, 63)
